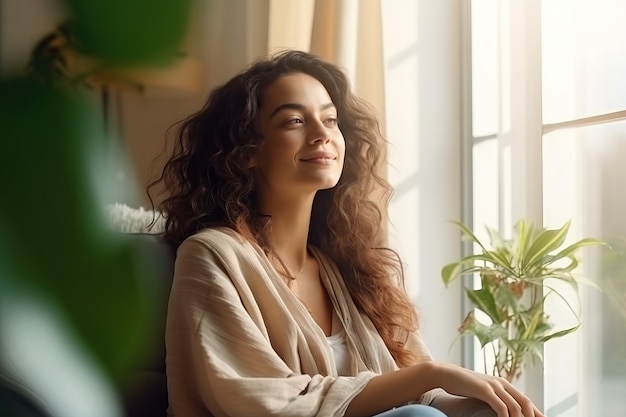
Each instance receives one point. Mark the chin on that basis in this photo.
(328, 185)
(321, 182)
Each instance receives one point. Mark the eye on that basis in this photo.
(294, 120)
(331, 121)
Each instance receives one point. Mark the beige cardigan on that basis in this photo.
(239, 343)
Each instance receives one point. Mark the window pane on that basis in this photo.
(485, 186)
(485, 213)
(583, 58)
(485, 67)
(584, 179)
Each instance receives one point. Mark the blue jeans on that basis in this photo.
(412, 410)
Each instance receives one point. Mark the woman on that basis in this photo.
(285, 299)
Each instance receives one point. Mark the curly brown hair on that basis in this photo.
(209, 184)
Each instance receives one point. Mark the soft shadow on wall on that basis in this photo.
(72, 313)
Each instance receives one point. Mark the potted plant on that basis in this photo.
(513, 290)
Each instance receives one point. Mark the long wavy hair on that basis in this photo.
(209, 184)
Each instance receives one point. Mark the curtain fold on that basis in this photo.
(233, 33)
(349, 33)
(290, 24)
(345, 32)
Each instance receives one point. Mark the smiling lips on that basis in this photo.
(319, 157)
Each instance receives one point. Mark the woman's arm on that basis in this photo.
(392, 389)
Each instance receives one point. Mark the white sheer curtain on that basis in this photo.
(345, 32)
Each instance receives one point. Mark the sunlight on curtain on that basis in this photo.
(290, 24)
(345, 32)
(349, 33)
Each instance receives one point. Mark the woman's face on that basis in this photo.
(302, 148)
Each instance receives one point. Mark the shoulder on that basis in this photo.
(216, 236)
(221, 242)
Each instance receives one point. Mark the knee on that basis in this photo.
(417, 410)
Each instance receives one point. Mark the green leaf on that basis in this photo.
(486, 334)
(524, 237)
(537, 324)
(493, 257)
(563, 270)
(502, 260)
(465, 266)
(535, 348)
(524, 232)
(469, 235)
(130, 32)
(562, 297)
(450, 272)
(505, 298)
(546, 242)
(496, 240)
(565, 277)
(575, 247)
(559, 333)
(53, 239)
(484, 301)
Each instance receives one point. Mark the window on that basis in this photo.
(547, 137)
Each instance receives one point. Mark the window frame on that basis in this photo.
(521, 132)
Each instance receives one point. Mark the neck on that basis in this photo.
(290, 229)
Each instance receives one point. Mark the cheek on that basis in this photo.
(341, 146)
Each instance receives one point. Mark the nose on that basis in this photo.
(319, 134)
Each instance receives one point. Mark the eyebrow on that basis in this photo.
(298, 106)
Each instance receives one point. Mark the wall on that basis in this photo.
(22, 24)
(423, 73)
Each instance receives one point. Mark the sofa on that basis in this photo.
(144, 394)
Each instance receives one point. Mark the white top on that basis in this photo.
(339, 346)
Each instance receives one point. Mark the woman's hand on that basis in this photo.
(505, 399)
(407, 384)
